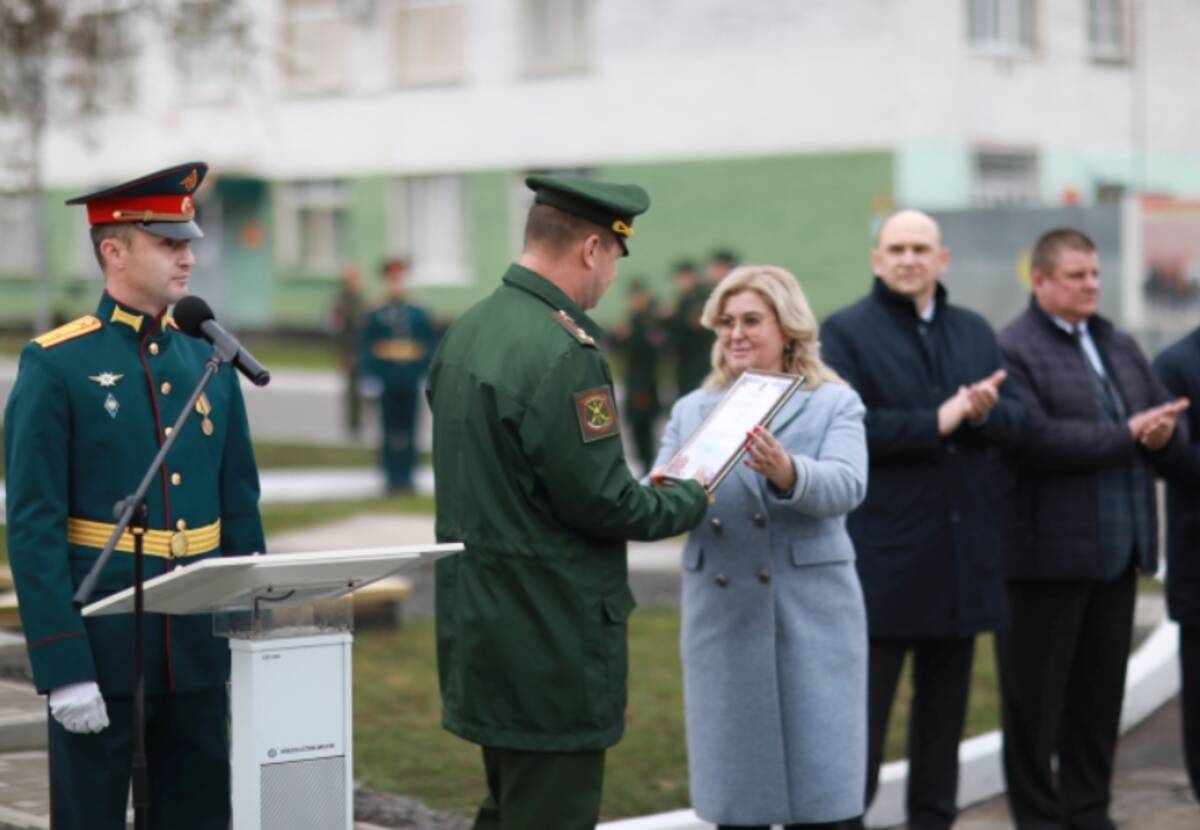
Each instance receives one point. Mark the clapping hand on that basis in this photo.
(1153, 428)
(970, 403)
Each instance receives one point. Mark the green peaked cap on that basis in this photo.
(611, 206)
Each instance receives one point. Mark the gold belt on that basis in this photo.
(169, 544)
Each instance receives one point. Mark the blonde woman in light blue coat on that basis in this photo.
(774, 628)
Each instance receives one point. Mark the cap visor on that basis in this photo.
(173, 230)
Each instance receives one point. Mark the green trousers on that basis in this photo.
(187, 753)
(541, 790)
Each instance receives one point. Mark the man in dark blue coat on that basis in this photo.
(927, 536)
(1178, 367)
(1084, 522)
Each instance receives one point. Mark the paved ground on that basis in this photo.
(1151, 789)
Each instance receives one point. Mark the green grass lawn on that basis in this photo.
(983, 714)
(272, 455)
(284, 352)
(292, 353)
(284, 517)
(400, 746)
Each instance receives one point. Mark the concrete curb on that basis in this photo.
(1152, 680)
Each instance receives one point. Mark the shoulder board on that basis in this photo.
(169, 322)
(73, 329)
(567, 322)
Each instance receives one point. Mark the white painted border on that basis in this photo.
(1152, 680)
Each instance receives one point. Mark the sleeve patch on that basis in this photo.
(597, 414)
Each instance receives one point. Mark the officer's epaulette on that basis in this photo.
(69, 331)
(567, 322)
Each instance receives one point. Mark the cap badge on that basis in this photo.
(621, 229)
(185, 207)
(189, 182)
(105, 379)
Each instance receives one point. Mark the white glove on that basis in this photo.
(79, 707)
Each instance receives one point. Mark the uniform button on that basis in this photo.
(760, 519)
(716, 525)
(166, 388)
(764, 575)
(181, 525)
(167, 432)
(721, 580)
(176, 479)
(153, 348)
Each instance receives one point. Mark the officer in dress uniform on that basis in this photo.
(531, 618)
(92, 403)
(397, 344)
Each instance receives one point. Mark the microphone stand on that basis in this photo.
(125, 510)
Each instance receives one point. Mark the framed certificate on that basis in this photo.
(719, 442)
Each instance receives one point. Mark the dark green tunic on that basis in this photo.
(85, 417)
(691, 341)
(532, 477)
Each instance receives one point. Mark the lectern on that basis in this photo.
(288, 618)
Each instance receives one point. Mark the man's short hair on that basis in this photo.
(725, 257)
(391, 262)
(1045, 252)
(99, 233)
(553, 229)
(684, 265)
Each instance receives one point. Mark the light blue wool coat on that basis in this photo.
(774, 629)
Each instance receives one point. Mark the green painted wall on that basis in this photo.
(811, 214)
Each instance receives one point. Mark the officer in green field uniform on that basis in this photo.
(93, 401)
(397, 344)
(532, 478)
(641, 340)
(691, 342)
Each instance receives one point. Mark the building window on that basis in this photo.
(106, 39)
(210, 49)
(428, 228)
(18, 254)
(1006, 178)
(316, 36)
(428, 40)
(313, 226)
(1106, 30)
(554, 36)
(1003, 27)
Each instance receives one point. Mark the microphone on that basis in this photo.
(195, 318)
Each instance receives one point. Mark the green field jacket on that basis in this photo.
(531, 476)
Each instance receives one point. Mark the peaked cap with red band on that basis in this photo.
(160, 203)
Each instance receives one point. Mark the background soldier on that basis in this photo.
(690, 341)
(347, 320)
(89, 410)
(531, 476)
(397, 344)
(641, 339)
